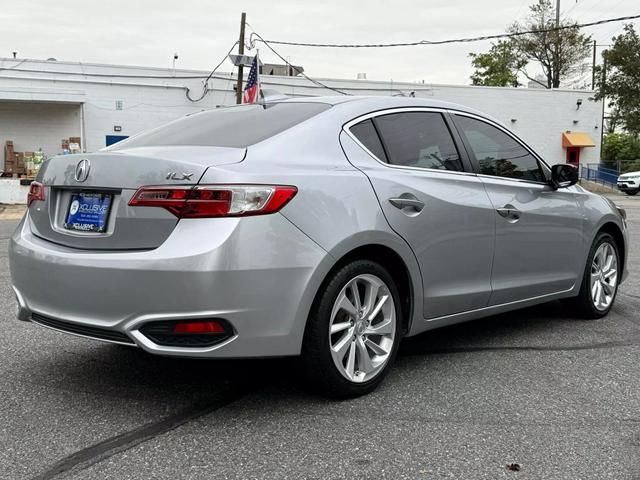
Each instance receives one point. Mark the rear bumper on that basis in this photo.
(253, 272)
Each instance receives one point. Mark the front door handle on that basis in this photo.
(509, 212)
(402, 202)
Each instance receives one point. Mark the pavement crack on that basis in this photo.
(98, 452)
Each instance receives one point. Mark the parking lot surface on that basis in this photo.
(557, 396)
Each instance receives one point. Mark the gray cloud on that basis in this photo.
(149, 32)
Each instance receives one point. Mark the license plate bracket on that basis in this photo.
(88, 212)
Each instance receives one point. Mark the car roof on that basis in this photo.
(363, 104)
(377, 100)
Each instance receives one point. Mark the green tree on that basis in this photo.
(621, 149)
(498, 67)
(560, 54)
(621, 82)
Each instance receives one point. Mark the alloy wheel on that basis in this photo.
(604, 276)
(362, 328)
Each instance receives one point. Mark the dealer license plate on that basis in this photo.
(88, 212)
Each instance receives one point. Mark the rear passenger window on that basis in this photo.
(366, 133)
(418, 139)
(498, 153)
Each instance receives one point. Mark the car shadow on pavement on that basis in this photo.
(518, 327)
(127, 372)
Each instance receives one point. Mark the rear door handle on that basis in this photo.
(509, 212)
(402, 202)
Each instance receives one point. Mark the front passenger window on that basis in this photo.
(497, 153)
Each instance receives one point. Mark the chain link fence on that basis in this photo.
(622, 166)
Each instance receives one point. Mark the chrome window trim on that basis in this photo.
(347, 129)
(513, 137)
(519, 180)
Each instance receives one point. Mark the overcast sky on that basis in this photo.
(148, 32)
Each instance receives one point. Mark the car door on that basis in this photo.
(431, 199)
(538, 228)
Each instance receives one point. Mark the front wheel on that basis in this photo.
(353, 331)
(601, 276)
(631, 192)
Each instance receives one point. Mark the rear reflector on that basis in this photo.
(36, 192)
(198, 327)
(191, 333)
(210, 201)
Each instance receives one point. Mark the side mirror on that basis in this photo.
(563, 175)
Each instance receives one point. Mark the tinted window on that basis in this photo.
(497, 153)
(228, 127)
(418, 139)
(366, 133)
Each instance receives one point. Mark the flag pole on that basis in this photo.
(260, 95)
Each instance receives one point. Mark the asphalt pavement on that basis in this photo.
(533, 394)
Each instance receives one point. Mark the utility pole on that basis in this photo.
(604, 100)
(243, 20)
(555, 74)
(593, 67)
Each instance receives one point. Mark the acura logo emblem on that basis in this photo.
(82, 170)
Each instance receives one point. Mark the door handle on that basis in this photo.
(509, 212)
(402, 202)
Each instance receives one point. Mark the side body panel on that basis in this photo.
(335, 206)
(541, 252)
(452, 236)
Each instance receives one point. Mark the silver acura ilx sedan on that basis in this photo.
(328, 228)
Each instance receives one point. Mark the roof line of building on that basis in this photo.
(393, 85)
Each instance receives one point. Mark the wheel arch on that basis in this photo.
(614, 230)
(394, 264)
(403, 270)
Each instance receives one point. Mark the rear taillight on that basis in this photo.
(36, 192)
(209, 201)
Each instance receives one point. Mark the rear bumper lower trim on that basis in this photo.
(84, 331)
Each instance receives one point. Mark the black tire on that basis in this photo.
(631, 193)
(319, 371)
(583, 304)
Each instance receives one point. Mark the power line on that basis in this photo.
(440, 42)
(296, 69)
(205, 90)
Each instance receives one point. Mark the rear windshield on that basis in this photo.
(239, 126)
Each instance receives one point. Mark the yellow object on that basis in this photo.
(576, 139)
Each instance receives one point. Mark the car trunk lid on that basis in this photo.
(93, 190)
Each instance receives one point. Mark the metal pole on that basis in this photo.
(593, 67)
(604, 100)
(243, 20)
(555, 75)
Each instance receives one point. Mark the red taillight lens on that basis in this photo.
(171, 198)
(210, 201)
(36, 192)
(198, 327)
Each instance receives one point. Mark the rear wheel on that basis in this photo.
(632, 192)
(353, 332)
(600, 281)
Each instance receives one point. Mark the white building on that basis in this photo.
(43, 102)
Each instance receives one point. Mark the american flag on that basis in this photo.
(252, 90)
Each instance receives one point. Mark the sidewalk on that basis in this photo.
(12, 212)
